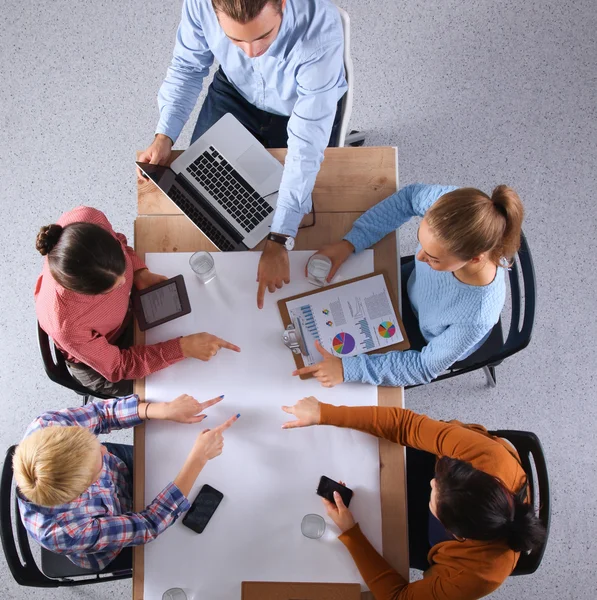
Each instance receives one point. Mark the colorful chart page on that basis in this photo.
(353, 319)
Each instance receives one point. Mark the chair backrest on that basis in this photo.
(529, 449)
(349, 70)
(56, 369)
(24, 569)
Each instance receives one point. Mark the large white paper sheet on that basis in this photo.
(268, 475)
(349, 320)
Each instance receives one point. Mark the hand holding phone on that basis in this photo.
(328, 486)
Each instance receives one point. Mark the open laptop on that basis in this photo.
(226, 183)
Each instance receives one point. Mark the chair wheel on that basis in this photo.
(356, 144)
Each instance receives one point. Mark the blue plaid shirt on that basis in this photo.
(92, 529)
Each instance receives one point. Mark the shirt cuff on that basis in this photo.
(170, 126)
(126, 411)
(286, 221)
(172, 350)
(137, 263)
(353, 238)
(174, 499)
(353, 370)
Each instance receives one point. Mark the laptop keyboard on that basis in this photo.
(230, 190)
(221, 242)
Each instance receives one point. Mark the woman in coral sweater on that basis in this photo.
(478, 519)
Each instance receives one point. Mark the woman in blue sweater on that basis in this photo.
(455, 286)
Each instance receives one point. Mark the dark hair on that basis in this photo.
(82, 257)
(470, 223)
(475, 505)
(243, 11)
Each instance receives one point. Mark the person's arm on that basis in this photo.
(412, 367)
(116, 364)
(417, 431)
(445, 582)
(184, 79)
(136, 261)
(101, 416)
(318, 80)
(411, 201)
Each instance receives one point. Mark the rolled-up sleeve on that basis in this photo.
(190, 64)
(320, 84)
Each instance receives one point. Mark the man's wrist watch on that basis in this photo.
(285, 240)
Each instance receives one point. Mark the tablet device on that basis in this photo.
(161, 303)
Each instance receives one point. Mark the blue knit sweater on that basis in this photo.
(454, 317)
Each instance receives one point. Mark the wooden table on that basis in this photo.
(351, 180)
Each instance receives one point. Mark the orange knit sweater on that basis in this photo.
(459, 570)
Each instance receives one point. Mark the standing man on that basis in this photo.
(281, 75)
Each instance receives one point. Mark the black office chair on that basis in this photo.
(495, 349)
(529, 447)
(56, 569)
(420, 469)
(57, 371)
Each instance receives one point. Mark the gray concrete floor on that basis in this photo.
(471, 93)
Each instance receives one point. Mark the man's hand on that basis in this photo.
(273, 270)
(307, 412)
(210, 442)
(339, 513)
(204, 346)
(329, 372)
(337, 253)
(157, 154)
(144, 278)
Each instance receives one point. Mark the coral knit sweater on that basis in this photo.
(458, 570)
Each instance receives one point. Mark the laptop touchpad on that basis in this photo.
(251, 161)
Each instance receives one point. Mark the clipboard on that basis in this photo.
(293, 337)
(260, 590)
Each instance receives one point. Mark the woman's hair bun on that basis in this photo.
(47, 238)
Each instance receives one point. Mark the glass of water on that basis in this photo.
(318, 268)
(313, 526)
(174, 594)
(203, 266)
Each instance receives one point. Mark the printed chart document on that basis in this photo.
(348, 320)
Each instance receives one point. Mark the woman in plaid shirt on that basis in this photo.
(75, 495)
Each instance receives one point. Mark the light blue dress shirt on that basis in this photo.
(301, 76)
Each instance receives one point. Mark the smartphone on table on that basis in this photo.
(328, 486)
(202, 509)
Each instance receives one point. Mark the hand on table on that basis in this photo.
(273, 270)
(307, 412)
(329, 372)
(204, 346)
(339, 513)
(337, 253)
(185, 409)
(158, 153)
(210, 443)
(144, 278)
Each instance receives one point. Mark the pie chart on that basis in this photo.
(387, 329)
(343, 343)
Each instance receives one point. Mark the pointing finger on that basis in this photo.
(208, 403)
(227, 423)
(306, 370)
(224, 344)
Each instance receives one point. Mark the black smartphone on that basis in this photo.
(328, 486)
(202, 509)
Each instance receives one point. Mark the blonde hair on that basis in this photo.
(55, 465)
(470, 223)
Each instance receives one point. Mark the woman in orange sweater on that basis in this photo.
(479, 517)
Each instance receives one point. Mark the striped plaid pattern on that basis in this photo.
(84, 327)
(94, 528)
